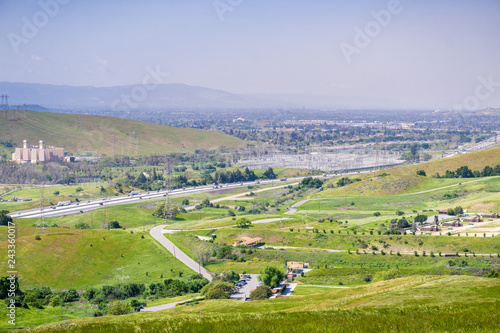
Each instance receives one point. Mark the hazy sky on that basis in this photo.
(420, 53)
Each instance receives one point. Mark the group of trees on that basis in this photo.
(465, 172)
(221, 177)
(310, 182)
(455, 211)
(108, 298)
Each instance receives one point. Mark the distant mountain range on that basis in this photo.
(168, 96)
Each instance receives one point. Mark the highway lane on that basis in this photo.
(85, 206)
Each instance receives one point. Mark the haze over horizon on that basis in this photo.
(418, 54)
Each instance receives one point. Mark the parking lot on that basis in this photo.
(244, 292)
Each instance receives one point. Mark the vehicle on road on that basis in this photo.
(64, 203)
(134, 193)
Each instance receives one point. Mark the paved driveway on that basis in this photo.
(244, 291)
(157, 234)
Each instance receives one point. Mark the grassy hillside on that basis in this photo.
(73, 258)
(416, 304)
(404, 179)
(79, 133)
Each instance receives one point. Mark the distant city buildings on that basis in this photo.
(35, 154)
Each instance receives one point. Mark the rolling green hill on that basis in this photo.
(404, 179)
(75, 258)
(79, 133)
(416, 304)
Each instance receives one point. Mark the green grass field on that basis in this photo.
(70, 258)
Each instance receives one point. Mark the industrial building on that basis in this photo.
(35, 154)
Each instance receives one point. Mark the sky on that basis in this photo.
(441, 54)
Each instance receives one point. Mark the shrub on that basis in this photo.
(218, 290)
(55, 301)
(261, 292)
(117, 308)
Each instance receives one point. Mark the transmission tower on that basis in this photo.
(41, 227)
(5, 105)
(106, 209)
(168, 184)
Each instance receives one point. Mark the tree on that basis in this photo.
(376, 214)
(114, 225)
(117, 308)
(4, 218)
(261, 292)
(161, 212)
(402, 223)
(228, 276)
(55, 301)
(464, 172)
(458, 210)
(421, 173)
(241, 209)
(271, 276)
(185, 202)
(269, 174)
(450, 211)
(420, 218)
(310, 182)
(343, 181)
(5, 284)
(70, 296)
(30, 299)
(218, 290)
(244, 223)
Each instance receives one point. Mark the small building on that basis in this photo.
(279, 289)
(429, 228)
(443, 212)
(451, 224)
(491, 216)
(472, 219)
(247, 241)
(294, 268)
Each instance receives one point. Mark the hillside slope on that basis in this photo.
(403, 179)
(79, 133)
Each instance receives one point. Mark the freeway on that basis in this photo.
(85, 206)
